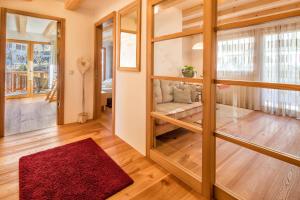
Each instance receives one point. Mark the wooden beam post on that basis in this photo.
(2, 67)
(72, 4)
(209, 95)
(49, 28)
(150, 141)
(21, 22)
(61, 39)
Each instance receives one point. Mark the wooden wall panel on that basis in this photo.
(2, 67)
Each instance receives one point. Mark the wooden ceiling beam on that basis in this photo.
(266, 12)
(72, 4)
(21, 23)
(169, 3)
(233, 9)
(247, 6)
(50, 27)
(192, 10)
(192, 21)
(17, 19)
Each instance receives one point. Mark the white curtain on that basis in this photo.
(237, 61)
(281, 64)
(269, 54)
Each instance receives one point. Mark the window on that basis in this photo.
(281, 64)
(41, 57)
(16, 56)
(281, 60)
(236, 54)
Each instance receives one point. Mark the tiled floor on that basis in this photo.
(28, 114)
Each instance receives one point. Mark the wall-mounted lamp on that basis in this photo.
(198, 46)
(156, 9)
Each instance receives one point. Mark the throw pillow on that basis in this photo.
(167, 90)
(157, 92)
(182, 95)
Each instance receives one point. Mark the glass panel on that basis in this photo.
(253, 176)
(16, 69)
(181, 57)
(177, 16)
(267, 117)
(44, 68)
(181, 146)
(128, 40)
(269, 53)
(107, 51)
(107, 73)
(178, 100)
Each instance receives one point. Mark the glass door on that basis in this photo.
(175, 89)
(30, 68)
(43, 69)
(17, 83)
(240, 138)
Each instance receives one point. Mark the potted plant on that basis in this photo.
(188, 71)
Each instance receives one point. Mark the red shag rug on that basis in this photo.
(77, 171)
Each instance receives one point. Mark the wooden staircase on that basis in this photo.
(52, 94)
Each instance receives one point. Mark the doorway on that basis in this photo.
(32, 72)
(104, 101)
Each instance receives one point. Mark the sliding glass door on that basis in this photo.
(30, 68)
(223, 96)
(258, 106)
(44, 68)
(17, 72)
(175, 88)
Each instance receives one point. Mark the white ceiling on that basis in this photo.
(34, 25)
(11, 24)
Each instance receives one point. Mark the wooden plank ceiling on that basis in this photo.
(229, 11)
(72, 4)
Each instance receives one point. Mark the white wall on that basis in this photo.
(130, 88)
(79, 42)
(197, 55)
(191, 56)
(168, 54)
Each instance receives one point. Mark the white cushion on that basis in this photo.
(167, 90)
(182, 95)
(157, 91)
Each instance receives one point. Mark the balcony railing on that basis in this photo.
(20, 84)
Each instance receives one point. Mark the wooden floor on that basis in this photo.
(248, 174)
(106, 118)
(150, 180)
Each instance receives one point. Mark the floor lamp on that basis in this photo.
(83, 65)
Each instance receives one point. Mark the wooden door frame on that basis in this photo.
(98, 67)
(60, 62)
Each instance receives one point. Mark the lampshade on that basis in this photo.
(156, 9)
(83, 64)
(198, 46)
